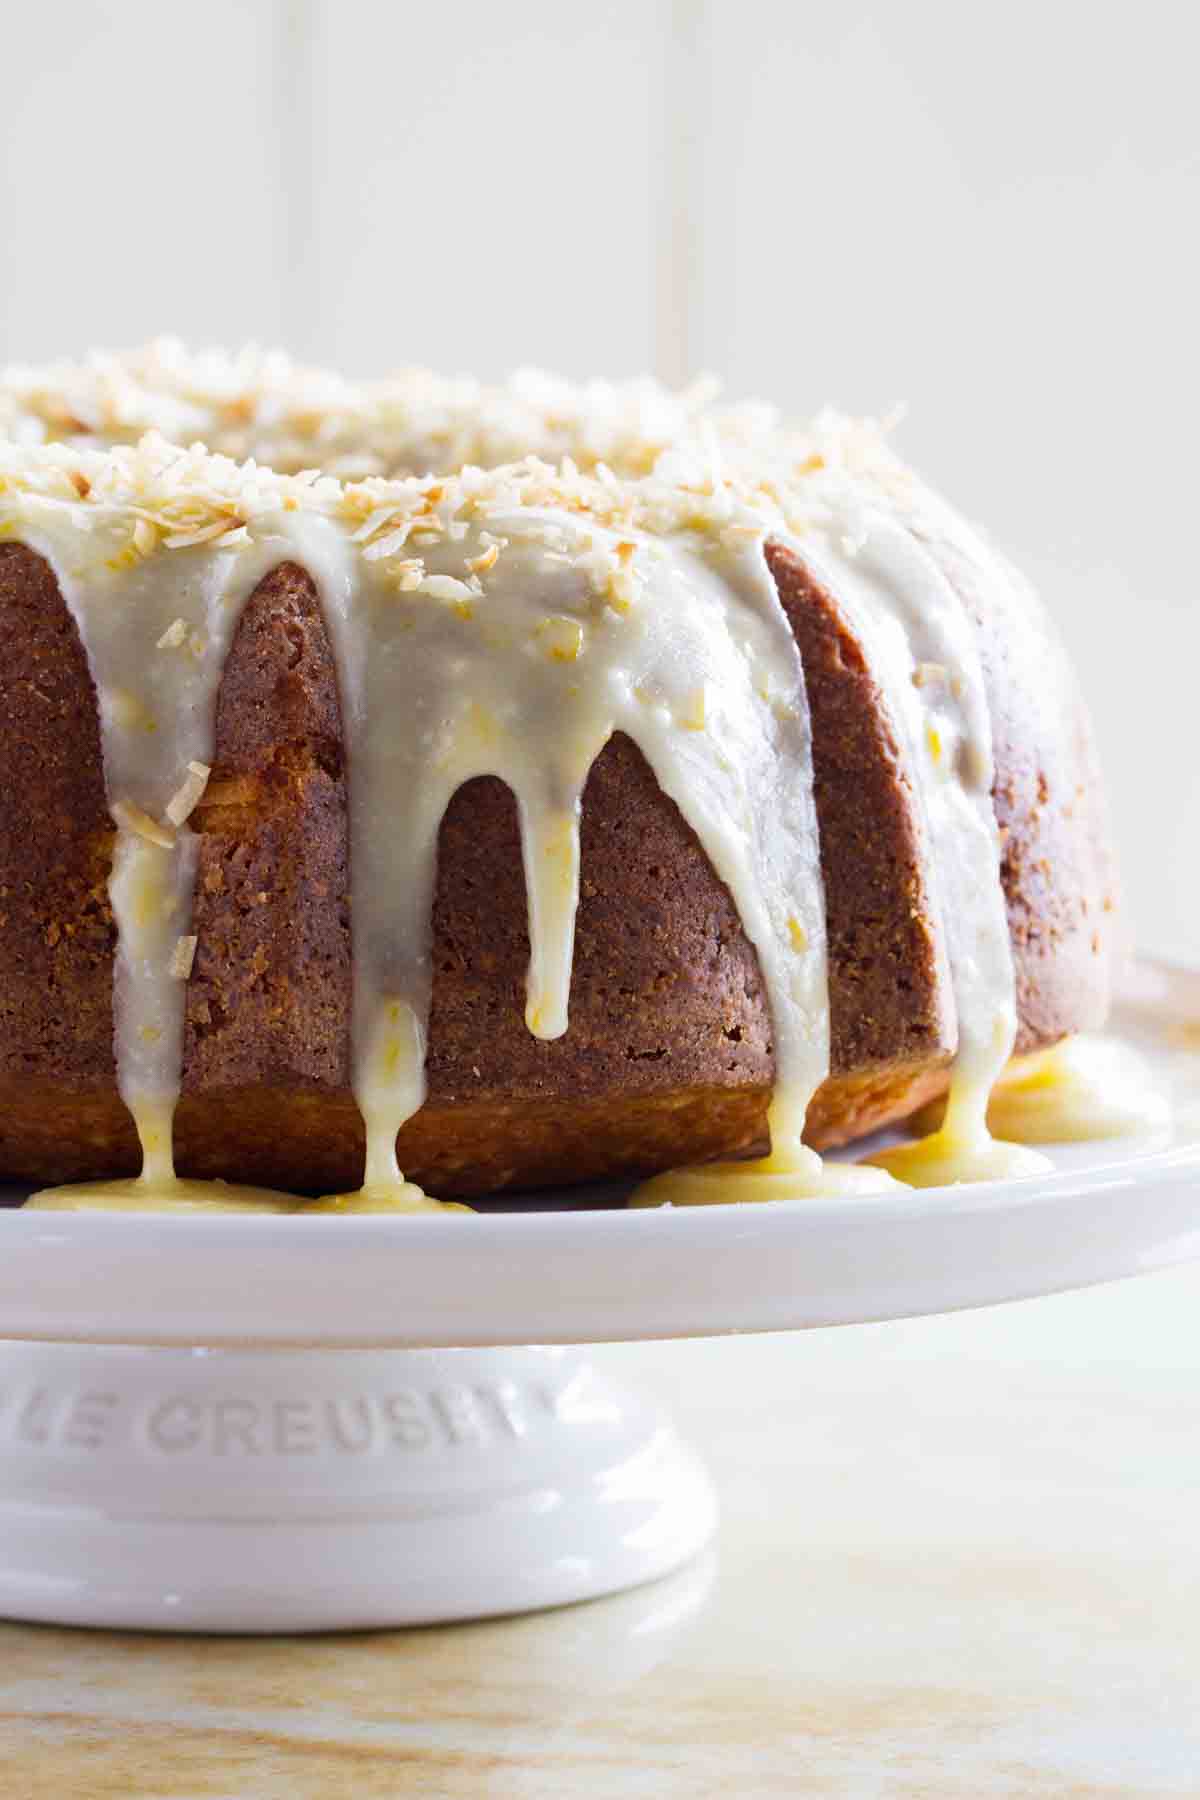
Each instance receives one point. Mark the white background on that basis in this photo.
(989, 213)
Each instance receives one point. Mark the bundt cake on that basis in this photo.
(574, 784)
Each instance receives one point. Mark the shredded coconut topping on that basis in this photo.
(174, 636)
(258, 402)
(153, 496)
(182, 957)
(269, 435)
(132, 818)
(183, 803)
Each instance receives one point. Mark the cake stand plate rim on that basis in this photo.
(592, 1276)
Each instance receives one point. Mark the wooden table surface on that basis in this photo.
(959, 1556)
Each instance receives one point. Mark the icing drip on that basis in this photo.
(757, 822)
(922, 650)
(156, 628)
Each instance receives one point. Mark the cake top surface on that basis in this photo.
(106, 435)
(262, 403)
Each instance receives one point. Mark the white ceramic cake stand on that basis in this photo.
(367, 1438)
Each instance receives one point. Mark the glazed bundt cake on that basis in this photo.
(572, 784)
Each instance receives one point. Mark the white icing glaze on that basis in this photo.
(157, 709)
(260, 403)
(526, 680)
(923, 652)
(508, 625)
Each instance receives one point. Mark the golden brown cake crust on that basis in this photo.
(668, 1055)
(56, 931)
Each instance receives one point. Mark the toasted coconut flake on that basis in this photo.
(446, 587)
(182, 958)
(693, 715)
(388, 543)
(561, 637)
(182, 803)
(131, 818)
(174, 636)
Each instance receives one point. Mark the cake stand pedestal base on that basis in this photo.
(306, 1490)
